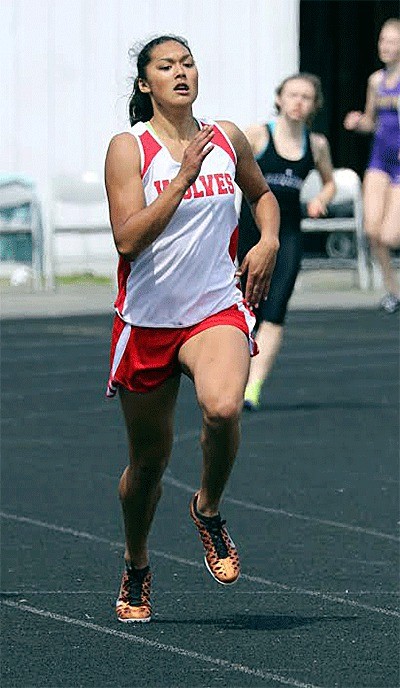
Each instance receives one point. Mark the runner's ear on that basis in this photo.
(143, 86)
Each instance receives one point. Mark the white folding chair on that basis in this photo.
(14, 195)
(348, 193)
(81, 234)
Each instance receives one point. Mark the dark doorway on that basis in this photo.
(338, 43)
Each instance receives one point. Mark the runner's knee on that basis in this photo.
(222, 410)
(141, 474)
(389, 237)
(373, 231)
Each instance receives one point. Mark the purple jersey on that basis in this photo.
(386, 143)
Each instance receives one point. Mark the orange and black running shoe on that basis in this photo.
(133, 603)
(221, 558)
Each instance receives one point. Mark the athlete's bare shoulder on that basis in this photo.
(256, 135)
(254, 131)
(375, 78)
(230, 128)
(125, 141)
(123, 154)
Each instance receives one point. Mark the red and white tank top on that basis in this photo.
(188, 272)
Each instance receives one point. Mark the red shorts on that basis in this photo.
(142, 358)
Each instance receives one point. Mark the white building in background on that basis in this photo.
(66, 73)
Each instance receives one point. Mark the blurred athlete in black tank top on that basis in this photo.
(285, 152)
(285, 178)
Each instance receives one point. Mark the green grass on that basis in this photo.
(86, 280)
(83, 279)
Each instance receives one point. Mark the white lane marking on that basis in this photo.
(60, 529)
(155, 644)
(198, 565)
(324, 596)
(191, 434)
(169, 479)
(196, 593)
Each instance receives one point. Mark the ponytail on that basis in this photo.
(140, 106)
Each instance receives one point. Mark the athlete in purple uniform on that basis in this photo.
(382, 178)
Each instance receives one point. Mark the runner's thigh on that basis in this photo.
(149, 419)
(375, 187)
(218, 359)
(391, 220)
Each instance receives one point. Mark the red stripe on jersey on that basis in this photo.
(150, 149)
(233, 244)
(219, 139)
(124, 270)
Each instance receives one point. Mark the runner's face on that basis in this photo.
(297, 100)
(389, 45)
(171, 75)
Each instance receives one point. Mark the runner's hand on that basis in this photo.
(316, 208)
(259, 264)
(352, 120)
(193, 157)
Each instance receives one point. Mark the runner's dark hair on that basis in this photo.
(140, 106)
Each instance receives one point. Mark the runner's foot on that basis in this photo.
(221, 556)
(133, 602)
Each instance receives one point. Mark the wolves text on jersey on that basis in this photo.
(205, 185)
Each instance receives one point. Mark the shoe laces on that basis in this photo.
(214, 527)
(136, 585)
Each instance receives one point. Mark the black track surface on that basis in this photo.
(313, 505)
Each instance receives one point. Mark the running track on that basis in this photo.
(312, 504)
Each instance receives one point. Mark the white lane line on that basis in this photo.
(195, 564)
(191, 434)
(324, 596)
(198, 593)
(170, 480)
(155, 644)
(61, 529)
